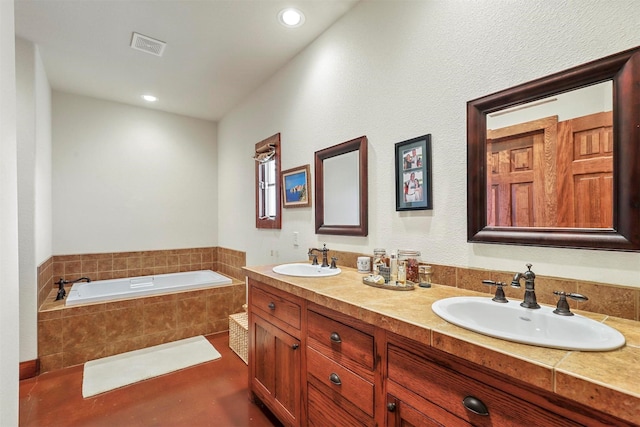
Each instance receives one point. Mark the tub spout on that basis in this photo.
(62, 292)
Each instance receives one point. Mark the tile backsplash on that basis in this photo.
(613, 300)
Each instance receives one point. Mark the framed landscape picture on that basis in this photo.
(413, 174)
(295, 184)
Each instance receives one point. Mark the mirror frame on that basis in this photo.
(361, 229)
(624, 69)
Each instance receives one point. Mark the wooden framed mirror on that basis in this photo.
(568, 203)
(341, 189)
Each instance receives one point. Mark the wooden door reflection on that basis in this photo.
(546, 173)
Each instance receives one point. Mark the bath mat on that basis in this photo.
(112, 372)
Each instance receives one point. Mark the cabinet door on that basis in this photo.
(276, 368)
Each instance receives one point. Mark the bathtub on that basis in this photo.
(108, 290)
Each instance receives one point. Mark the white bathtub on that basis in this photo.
(108, 290)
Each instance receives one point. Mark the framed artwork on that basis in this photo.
(295, 184)
(413, 174)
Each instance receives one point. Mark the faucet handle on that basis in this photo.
(499, 296)
(562, 308)
(333, 262)
(315, 259)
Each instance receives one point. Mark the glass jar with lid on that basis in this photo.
(408, 266)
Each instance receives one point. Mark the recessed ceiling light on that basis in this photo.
(291, 18)
(149, 98)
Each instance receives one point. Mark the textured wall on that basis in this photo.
(128, 178)
(396, 70)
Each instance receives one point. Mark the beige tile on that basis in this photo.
(191, 311)
(125, 323)
(611, 300)
(159, 317)
(50, 336)
(50, 362)
(580, 377)
(77, 356)
(84, 330)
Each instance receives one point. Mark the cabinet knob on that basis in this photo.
(335, 337)
(295, 346)
(391, 407)
(475, 405)
(272, 306)
(334, 378)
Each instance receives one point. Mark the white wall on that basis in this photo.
(8, 223)
(396, 70)
(34, 185)
(128, 178)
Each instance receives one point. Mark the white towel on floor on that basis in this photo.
(112, 372)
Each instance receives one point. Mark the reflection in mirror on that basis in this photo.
(341, 204)
(341, 189)
(567, 177)
(550, 162)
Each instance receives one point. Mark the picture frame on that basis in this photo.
(296, 191)
(413, 174)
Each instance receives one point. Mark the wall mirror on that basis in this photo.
(554, 162)
(341, 189)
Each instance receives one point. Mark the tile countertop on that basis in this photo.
(608, 381)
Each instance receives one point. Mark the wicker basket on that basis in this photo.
(238, 334)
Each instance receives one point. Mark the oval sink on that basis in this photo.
(541, 327)
(305, 270)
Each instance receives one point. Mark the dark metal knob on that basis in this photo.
(272, 306)
(475, 405)
(335, 337)
(334, 378)
(391, 407)
(295, 346)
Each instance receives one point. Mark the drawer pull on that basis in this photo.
(272, 306)
(334, 378)
(335, 337)
(391, 407)
(295, 346)
(475, 405)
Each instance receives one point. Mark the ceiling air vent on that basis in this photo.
(147, 44)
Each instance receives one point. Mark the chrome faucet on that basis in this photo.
(324, 250)
(529, 287)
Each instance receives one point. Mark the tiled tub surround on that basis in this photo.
(607, 381)
(117, 265)
(72, 335)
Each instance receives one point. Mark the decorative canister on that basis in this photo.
(408, 266)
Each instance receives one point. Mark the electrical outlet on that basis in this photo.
(295, 239)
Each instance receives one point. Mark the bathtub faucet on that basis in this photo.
(62, 282)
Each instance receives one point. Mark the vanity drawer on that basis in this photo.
(341, 380)
(448, 389)
(276, 307)
(340, 342)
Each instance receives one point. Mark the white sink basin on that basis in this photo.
(541, 327)
(305, 270)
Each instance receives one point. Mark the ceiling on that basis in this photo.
(217, 52)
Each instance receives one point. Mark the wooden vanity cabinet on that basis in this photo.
(341, 362)
(275, 351)
(311, 365)
(428, 387)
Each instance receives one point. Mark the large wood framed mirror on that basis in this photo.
(556, 161)
(341, 189)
